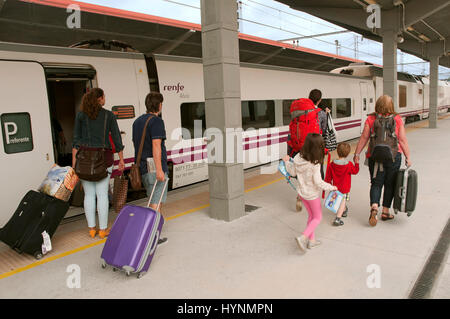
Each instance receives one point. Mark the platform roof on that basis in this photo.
(44, 22)
(426, 22)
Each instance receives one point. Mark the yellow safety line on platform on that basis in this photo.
(44, 261)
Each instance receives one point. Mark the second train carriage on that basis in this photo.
(40, 84)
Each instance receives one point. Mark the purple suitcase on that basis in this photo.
(134, 236)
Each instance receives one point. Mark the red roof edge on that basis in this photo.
(93, 8)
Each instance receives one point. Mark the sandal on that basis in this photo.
(386, 216)
(373, 217)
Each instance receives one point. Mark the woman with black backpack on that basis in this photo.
(386, 132)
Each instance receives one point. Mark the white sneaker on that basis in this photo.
(313, 243)
(302, 242)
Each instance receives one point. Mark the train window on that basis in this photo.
(255, 114)
(17, 134)
(287, 111)
(258, 114)
(123, 112)
(340, 108)
(402, 96)
(191, 112)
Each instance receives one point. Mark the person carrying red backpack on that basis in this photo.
(304, 120)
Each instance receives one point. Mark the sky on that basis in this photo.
(275, 21)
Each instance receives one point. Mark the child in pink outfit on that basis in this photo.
(306, 167)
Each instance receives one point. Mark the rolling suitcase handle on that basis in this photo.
(403, 189)
(162, 193)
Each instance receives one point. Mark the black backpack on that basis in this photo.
(383, 145)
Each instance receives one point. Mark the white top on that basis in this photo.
(310, 183)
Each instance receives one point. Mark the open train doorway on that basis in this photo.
(66, 85)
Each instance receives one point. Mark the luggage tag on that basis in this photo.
(333, 201)
(47, 243)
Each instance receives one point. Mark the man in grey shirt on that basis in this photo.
(316, 96)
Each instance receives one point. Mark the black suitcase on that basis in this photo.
(405, 195)
(36, 213)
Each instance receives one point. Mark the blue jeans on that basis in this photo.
(99, 190)
(385, 178)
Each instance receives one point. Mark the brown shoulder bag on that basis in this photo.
(135, 174)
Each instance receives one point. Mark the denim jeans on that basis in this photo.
(384, 178)
(97, 190)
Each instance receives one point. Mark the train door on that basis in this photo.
(26, 151)
(364, 102)
(66, 86)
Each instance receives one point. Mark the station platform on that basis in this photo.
(256, 256)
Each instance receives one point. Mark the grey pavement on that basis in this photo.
(256, 256)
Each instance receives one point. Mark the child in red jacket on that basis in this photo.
(339, 174)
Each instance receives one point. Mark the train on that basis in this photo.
(41, 88)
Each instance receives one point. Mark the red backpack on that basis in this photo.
(304, 120)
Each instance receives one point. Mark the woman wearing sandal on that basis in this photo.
(383, 175)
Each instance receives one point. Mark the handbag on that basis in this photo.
(91, 162)
(120, 192)
(330, 136)
(135, 173)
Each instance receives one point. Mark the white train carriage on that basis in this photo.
(41, 85)
(413, 91)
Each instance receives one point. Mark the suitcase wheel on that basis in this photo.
(103, 265)
(140, 275)
(114, 269)
(409, 214)
(395, 211)
(128, 273)
(38, 255)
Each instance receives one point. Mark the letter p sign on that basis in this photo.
(374, 20)
(10, 129)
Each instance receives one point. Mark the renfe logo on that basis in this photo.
(176, 88)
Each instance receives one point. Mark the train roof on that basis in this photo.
(370, 71)
(43, 22)
(163, 57)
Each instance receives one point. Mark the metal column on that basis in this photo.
(221, 72)
(434, 78)
(390, 86)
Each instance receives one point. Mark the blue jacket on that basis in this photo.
(92, 133)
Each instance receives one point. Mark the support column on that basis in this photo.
(390, 86)
(221, 73)
(434, 80)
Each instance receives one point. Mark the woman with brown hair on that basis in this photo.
(398, 144)
(306, 167)
(93, 125)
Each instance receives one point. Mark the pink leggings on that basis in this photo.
(314, 208)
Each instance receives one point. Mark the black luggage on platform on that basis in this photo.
(405, 195)
(36, 213)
